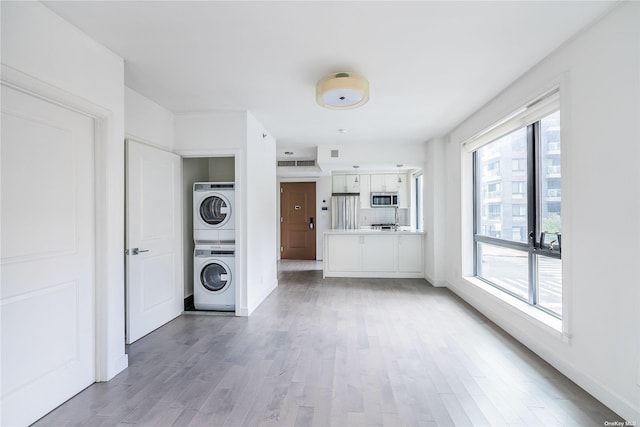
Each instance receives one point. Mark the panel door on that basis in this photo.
(154, 239)
(48, 245)
(298, 222)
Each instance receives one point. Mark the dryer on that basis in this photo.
(214, 285)
(214, 212)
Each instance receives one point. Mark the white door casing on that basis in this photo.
(48, 256)
(154, 226)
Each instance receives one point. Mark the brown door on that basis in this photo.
(298, 220)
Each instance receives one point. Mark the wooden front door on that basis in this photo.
(298, 220)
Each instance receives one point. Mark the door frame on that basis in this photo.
(108, 256)
(280, 180)
(239, 159)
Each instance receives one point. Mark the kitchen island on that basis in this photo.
(373, 253)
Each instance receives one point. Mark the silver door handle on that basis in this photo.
(136, 251)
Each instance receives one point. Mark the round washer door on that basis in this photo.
(215, 210)
(215, 276)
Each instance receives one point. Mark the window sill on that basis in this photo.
(537, 317)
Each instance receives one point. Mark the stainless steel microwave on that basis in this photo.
(384, 200)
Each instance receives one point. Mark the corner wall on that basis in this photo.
(147, 121)
(434, 212)
(599, 74)
(40, 44)
(260, 209)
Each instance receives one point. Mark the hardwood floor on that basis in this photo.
(335, 352)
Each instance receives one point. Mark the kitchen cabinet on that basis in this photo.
(410, 258)
(365, 191)
(345, 183)
(346, 253)
(404, 196)
(379, 252)
(389, 183)
(367, 253)
(384, 182)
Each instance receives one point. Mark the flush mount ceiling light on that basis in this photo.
(342, 91)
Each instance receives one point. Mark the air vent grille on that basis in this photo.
(306, 163)
(335, 153)
(286, 163)
(296, 163)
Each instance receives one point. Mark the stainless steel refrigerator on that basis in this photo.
(344, 211)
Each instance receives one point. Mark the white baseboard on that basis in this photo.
(115, 367)
(435, 283)
(623, 407)
(262, 297)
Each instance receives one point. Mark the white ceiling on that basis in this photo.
(430, 64)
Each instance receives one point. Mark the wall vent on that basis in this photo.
(296, 163)
(335, 153)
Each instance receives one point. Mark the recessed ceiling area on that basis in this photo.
(429, 64)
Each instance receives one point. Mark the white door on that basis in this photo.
(154, 239)
(47, 261)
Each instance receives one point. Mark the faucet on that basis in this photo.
(397, 220)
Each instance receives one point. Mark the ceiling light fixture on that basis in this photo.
(399, 177)
(342, 91)
(342, 130)
(288, 153)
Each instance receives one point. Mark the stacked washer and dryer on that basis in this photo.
(214, 235)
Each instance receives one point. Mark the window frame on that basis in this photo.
(532, 247)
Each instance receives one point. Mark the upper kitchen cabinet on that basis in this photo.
(389, 183)
(346, 183)
(385, 182)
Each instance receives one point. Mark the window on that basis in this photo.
(419, 207)
(519, 210)
(519, 165)
(518, 189)
(524, 261)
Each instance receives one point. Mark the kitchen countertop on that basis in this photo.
(370, 231)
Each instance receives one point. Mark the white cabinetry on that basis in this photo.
(345, 251)
(389, 183)
(345, 183)
(379, 253)
(373, 254)
(365, 191)
(410, 257)
(404, 193)
(384, 182)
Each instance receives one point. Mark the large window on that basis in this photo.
(517, 203)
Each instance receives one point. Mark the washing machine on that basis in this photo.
(213, 277)
(214, 212)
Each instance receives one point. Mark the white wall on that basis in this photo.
(222, 169)
(433, 211)
(599, 73)
(239, 135)
(260, 207)
(376, 157)
(71, 66)
(207, 134)
(147, 121)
